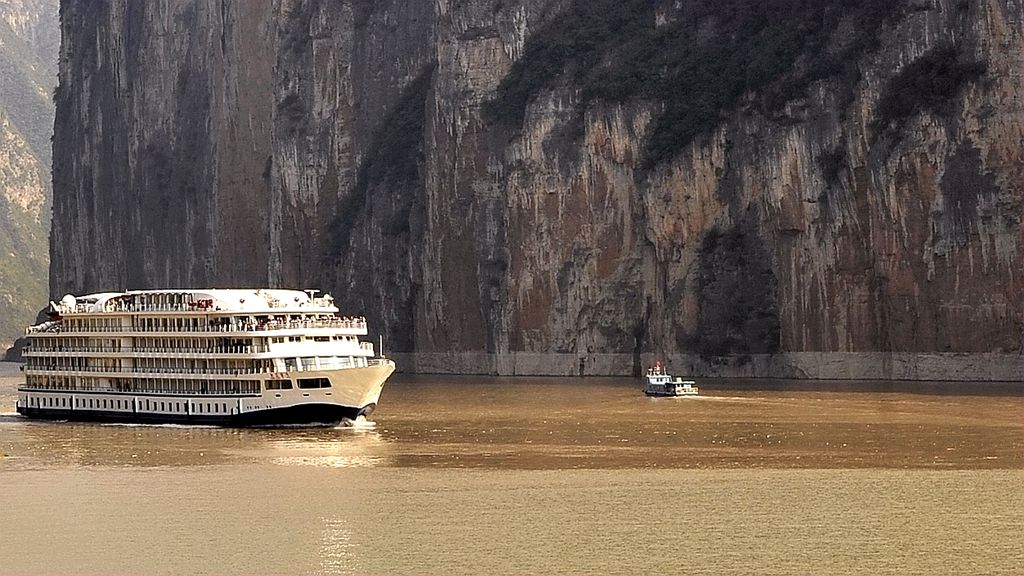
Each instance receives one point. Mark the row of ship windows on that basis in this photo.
(138, 344)
(172, 386)
(187, 345)
(119, 404)
(142, 385)
(194, 365)
(304, 384)
(150, 365)
(283, 339)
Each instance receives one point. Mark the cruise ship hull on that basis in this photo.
(300, 415)
(353, 392)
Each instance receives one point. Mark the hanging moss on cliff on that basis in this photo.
(698, 58)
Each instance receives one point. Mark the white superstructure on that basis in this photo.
(658, 382)
(229, 357)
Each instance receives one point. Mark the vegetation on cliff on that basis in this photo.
(27, 75)
(392, 163)
(699, 59)
(388, 189)
(736, 288)
(927, 84)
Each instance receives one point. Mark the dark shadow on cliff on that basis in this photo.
(699, 60)
(387, 197)
(928, 84)
(737, 293)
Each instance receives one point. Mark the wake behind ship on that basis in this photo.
(221, 357)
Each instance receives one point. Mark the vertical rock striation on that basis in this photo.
(553, 176)
(29, 36)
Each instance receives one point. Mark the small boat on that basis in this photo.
(658, 382)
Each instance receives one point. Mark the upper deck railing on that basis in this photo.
(355, 325)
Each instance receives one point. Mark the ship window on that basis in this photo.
(279, 384)
(295, 338)
(321, 339)
(307, 383)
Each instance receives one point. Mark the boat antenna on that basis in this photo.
(381, 348)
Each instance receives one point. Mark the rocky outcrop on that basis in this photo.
(29, 35)
(559, 176)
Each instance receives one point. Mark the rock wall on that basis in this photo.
(29, 36)
(348, 146)
(975, 368)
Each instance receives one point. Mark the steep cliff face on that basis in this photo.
(559, 175)
(29, 36)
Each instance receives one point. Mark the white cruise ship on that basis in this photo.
(223, 357)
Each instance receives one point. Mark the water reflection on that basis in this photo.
(570, 423)
(338, 551)
(797, 482)
(331, 448)
(29, 444)
(607, 423)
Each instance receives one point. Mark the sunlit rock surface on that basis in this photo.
(344, 146)
(29, 37)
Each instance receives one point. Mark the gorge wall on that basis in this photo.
(29, 40)
(591, 181)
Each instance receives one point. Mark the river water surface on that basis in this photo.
(477, 475)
